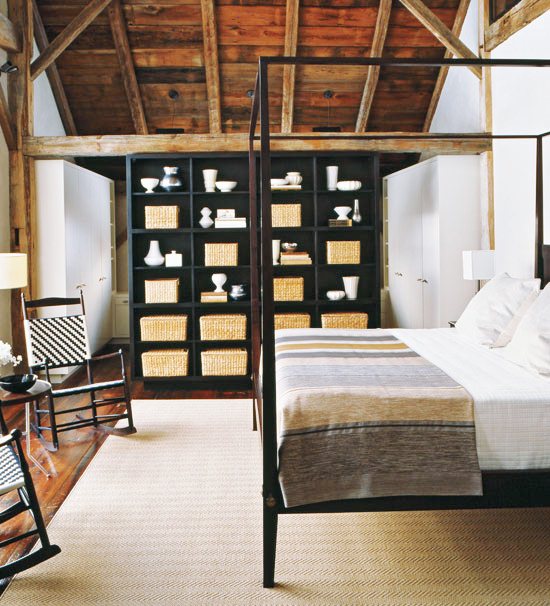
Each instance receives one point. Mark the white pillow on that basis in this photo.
(494, 313)
(530, 345)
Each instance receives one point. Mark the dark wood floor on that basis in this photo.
(77, 449)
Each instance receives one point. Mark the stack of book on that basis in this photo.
(230, 222)
(213, 297)
(295, 258)
(339, 222)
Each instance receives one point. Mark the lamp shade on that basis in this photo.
(478, 264)
(13, 270)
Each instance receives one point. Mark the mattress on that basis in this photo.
(511, 405)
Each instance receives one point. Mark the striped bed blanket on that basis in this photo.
(360, 414)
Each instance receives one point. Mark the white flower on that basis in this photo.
(6, 356)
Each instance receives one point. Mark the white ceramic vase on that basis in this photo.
(154, 257)
(206, 220)
(219, 280)
(332, 177)
(276, 248)
(351, 285)
(210, 175)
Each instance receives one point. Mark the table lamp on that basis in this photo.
(478, 265)
(13, 270)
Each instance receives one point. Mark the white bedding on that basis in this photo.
(512, 405)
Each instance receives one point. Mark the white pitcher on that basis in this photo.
(351, 285)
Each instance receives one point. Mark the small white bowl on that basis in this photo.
(149, 183)
(348, 185)
(335, 295)
(342, 212)
(226, 185)
(278, 182)
(294, 178)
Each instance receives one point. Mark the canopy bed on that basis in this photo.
(298, 375)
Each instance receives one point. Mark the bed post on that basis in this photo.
(254, 266)
(268, 343)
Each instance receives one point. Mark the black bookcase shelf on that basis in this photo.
(189, 239)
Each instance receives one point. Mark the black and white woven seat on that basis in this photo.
(15, 476)
(62, 341)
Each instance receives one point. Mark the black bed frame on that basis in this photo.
(500, 489)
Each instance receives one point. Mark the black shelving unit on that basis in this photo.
(317, 204)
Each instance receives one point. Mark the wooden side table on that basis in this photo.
(41, 389)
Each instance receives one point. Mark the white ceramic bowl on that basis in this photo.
(278, 182)
(149, 183)
(226, 185)
(342, 211)
(348, 185)
(294, 178)
(335, 295)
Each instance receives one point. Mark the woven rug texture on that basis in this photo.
(172, 515)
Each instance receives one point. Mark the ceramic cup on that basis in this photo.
(210, 175)
(351, 285)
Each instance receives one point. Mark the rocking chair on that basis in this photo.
(15, 475)
(58, 342)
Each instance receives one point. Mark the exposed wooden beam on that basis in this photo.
(9, 38)
(289, 71)
(21, 168)
(211, 66)
(54, 78)
(72, 31)
(434, 25)
(444, 71)
(373, 72)
(121, 145)
(6, 123)
(127, 69)
(517, 17)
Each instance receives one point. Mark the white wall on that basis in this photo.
(46, 122)
(521, 100)
(458, 110)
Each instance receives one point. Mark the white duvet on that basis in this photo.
(512, 405)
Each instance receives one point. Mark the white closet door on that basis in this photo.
(431, 288)
(405, 248)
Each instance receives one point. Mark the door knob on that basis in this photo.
(398, 273)
(422, 280)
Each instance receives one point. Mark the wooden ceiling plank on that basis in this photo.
(289, 71)
(121, 145)
(211, 65)
(436, 27)
(6, 122)
(127, 68)
(9, 38)
(54, 78)
(443, 71)
(373, 72)
(64, 39)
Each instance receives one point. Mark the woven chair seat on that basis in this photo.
(11, 476)
(71, 391)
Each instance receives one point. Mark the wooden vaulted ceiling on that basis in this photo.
(167, 49)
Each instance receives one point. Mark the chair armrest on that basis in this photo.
(14, 435)
(107, 356)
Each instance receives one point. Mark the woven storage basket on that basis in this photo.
(221, 253)
(223, 326)
(224, 362)
(165, 363)
(286, 215)
(163, 328)
(292, 321)
(288, 289)
(343, 251)
(162, 291)
(162, 217)
(345, 319)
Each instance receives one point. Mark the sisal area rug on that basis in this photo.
(172, 515)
